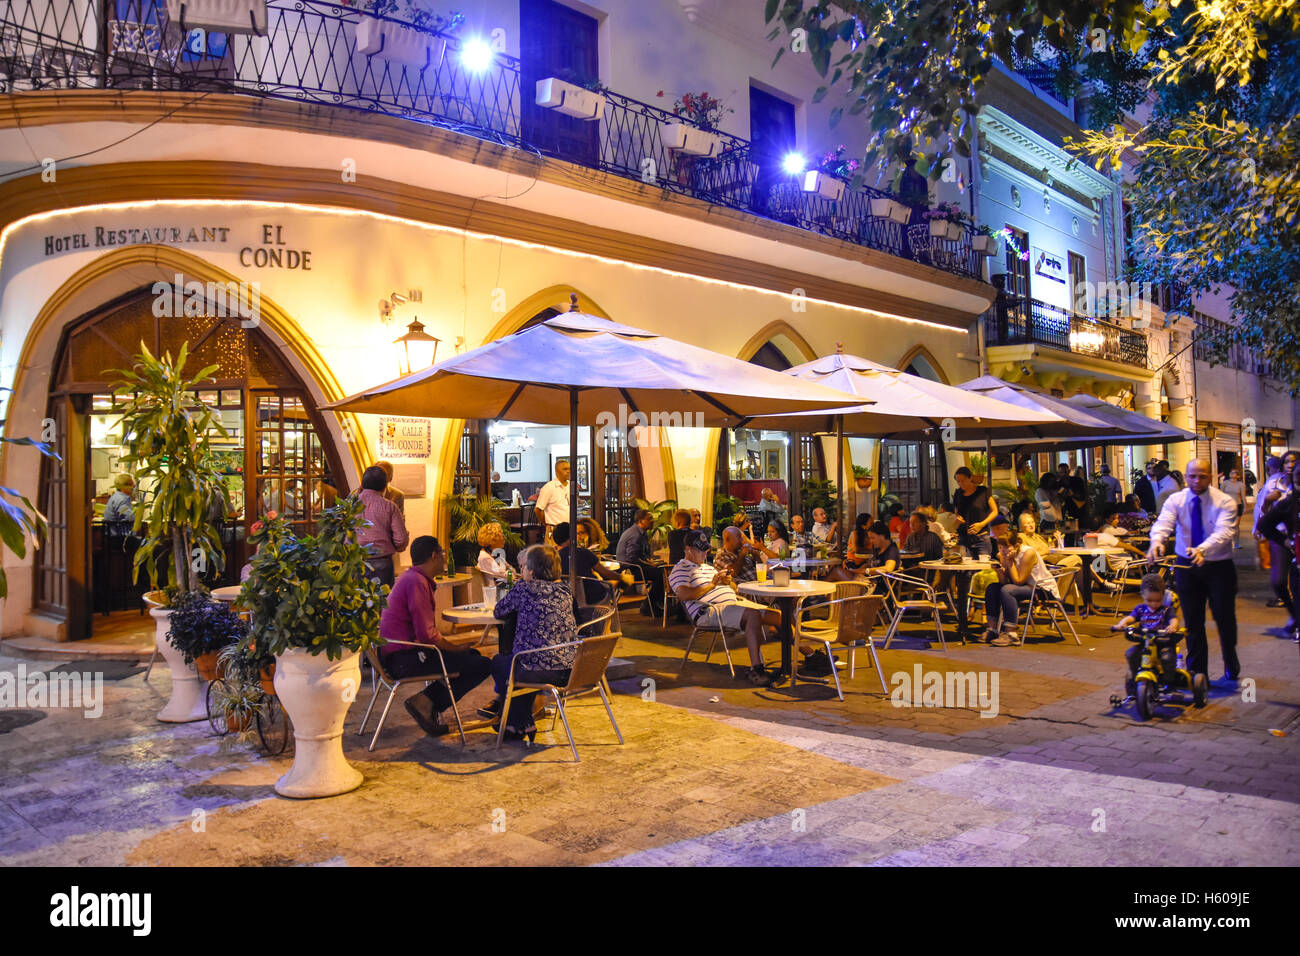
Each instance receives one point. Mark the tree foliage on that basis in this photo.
(20, 522)
(1215, 160)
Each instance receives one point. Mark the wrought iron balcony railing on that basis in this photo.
(310, 54)
(1018, 321)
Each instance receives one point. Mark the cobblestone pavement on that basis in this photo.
(712, 771)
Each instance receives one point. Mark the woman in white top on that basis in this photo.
(1235, 488)
(492, 541)
(1049, 506)
(1019, 570)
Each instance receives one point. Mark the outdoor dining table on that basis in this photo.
(229, 594)
(967, 568)
(788, 598)
(1085, 579)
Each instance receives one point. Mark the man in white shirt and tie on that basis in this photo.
(553, 500)
(1201, 519)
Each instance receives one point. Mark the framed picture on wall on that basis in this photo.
(582, 476)
(772, 468)
(513, 461)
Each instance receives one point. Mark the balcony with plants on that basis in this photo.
(390, 58)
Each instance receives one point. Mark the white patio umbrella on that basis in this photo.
(901, 406)
(579, 367)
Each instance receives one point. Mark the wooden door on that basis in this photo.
(557, 41)
(772, 133)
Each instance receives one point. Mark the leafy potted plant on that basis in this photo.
(698, 135)
(946, 220)
(663, 515)
(979, 467)
(239, 695)
(828, 179)
(468, 513)
(219, 16)
(19, 524)
(169, 432)
(200, 627)
(862, 476)
(403, 31)
(315, 609)
(725, 507)
(985, 241)
(572, 94)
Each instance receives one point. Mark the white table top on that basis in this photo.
(799, 587)
(228, 594)
(967, 564)
(469, 614)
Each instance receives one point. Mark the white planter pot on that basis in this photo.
(398, 44)
(882, 207)
(188, 702)
(221, 16)
(569, 99)
(691, 139)
(824, 185)
(901, 213)
(316, 694)
(984, 245)
(943, 229)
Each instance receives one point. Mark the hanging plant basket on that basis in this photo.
(220, 16)
(691, 139)
(823, 184)
(984, 245)
(864, 483)
(398, 44)
(556, 94)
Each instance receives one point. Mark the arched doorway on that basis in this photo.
(916, 471)
(274, 453)
(511, 460)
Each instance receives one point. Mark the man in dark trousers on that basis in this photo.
(1201, 518)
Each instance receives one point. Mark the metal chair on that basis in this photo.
(380, 673)
(587, 676)
(669, 595)
(1124, 577)
(898, 584)
(849, 625)
(710, 622)
(1040, 599)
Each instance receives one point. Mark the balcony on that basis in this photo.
(310, 55)
(1018, 321)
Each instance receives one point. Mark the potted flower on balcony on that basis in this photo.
(986, 240)
(862, 476)
(698, 136)
(403, 32)
(573, 94)
(220, 16)
(316, 610)
(947, 221)
(828, 179)
(169, 433)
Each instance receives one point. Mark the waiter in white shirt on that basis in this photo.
(553, 500)
(1164, 484)
(1201, 519)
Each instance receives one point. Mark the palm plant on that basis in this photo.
(168, 430)
(19, 524)
(663, 515)
(468, 513)
(1013, 493)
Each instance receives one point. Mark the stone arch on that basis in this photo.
(921, 354)
(104, 280)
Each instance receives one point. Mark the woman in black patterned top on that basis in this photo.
(543, 607)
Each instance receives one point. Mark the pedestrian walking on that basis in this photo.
(1200, 518)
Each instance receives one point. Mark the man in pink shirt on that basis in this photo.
(385, 534)
(410, 616)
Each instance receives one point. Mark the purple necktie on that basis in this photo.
(1198, 526)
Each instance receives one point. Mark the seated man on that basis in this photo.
(798, 537)
(634, 550)
(921, 540)
(409, 616)
(736, 558)
(699, 586)
(823, 534)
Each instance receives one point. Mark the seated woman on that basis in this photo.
(859, 547)
(589, 565)
(777, 538)
(883, 553)
(543, 607)
(897, 522)
(492, 557)
(1133, 506)
(1019, 570)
